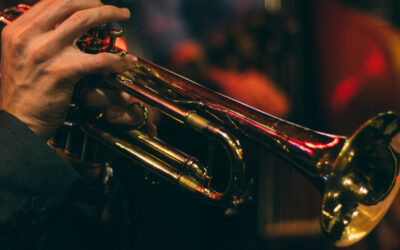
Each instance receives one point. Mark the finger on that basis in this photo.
(103, 97)
(32, 13)
(103, 62)
(46, 14)
(132, 115)
(151, 129)
(81, 21)
(73, 64)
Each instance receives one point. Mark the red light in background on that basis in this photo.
(345, 91)
(375, 64)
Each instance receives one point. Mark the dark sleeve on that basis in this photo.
(34, 181)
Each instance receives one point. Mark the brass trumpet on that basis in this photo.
(357, 176)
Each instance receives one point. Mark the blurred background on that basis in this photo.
(326, 64)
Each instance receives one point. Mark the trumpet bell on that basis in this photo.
(363, 182)
(357, 176)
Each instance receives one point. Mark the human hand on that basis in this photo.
(119, 107)
(41, 63)
(116, 107)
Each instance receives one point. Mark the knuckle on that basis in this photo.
(6, 30)
(79, 4)
(109, 12)
(80, 17)
(14, 40)
(104, 60)
(33, 23)
(39, 54)
(5, 33)
(94, 63)
(97, 2)
(111, 8)
(65, 4)
(50, 71)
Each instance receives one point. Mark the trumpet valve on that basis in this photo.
(114, 32)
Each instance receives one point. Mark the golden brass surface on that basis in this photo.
(357, 176)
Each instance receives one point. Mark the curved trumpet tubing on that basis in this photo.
(357, 176)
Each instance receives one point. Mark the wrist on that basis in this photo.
(38, 127)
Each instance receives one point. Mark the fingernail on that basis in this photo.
(132, 59)
(125, 11)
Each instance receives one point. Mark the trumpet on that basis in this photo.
(357, 176)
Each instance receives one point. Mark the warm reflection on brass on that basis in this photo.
(363, 182)
(357, 176)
